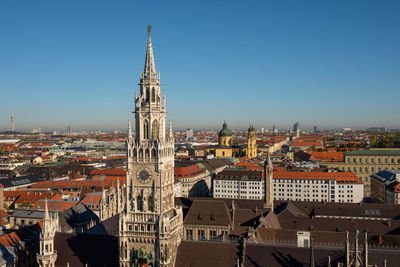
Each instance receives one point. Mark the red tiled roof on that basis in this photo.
(305, 143)
(32, 197)
(109, 172)
(340, 177)
(91, 199)
(73, 184)
(188, 171)
(10, 240)
(54, 205)
(327, 156)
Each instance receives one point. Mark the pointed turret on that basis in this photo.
(149, 66)
(47, 256)
(46, 213)
(171, 135)
(129, 129)
(268, 184)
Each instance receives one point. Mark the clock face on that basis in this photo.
(144, 175)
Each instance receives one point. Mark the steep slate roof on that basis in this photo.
(208, 212)
(239, 174)
(81, 249)
(200, 254)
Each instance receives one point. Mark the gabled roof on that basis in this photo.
(208, 212)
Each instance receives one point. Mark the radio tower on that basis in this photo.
(12, 122)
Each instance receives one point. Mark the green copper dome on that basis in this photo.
(225, 131)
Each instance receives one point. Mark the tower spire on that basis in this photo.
(12, 122)
(171, 135)
(46, 211)
(129, 129)
(268, 184)
(149, 67)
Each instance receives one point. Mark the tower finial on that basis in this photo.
(46, 210)
(149, 67)
(171, 135)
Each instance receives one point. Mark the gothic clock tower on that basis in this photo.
(151, 226)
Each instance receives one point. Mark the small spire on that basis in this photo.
(46, 210)
(171, 135)
(129, 129)
(149, 67)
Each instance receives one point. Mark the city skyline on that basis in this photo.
(334, 67)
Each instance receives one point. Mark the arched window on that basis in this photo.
(139, 202)
(153, 153)
(147, 153)
(146, 130)
(147, 95)
(153, 95)
(150, 203)
(155, 129)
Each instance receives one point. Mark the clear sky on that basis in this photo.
(324, 63)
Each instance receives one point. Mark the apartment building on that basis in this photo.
(290, 185)
(364, 163)
(385, 187)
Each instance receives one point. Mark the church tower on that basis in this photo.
(251, 143)
(47, 256)
(268, 184)
(151, 226)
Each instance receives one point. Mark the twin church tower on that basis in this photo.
(151, 226)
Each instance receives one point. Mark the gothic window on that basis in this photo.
(145, 130)
(153, 95)
(153, 153)
(155, 129)
(134, 153)
(140, 153)
(139, 202)
(147, 153)
(150, 204)
(147, 95)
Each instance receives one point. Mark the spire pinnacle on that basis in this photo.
(46, 210)
(129, 129)
(149, 67)
(171, 135)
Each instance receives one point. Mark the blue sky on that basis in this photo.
(325, 63)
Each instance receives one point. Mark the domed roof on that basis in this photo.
(225, 131)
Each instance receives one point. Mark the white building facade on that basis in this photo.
(295, 186)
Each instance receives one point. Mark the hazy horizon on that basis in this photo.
(330, 64)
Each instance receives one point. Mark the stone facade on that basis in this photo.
(151, 226)
(112, 203)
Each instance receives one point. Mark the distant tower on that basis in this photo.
(268, 184)
(47, 256)
(251, 143)
(189, 134)
(315, 129)
(296, 127)
(12, 122)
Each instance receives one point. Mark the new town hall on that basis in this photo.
(142, 223)
(151, 226)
